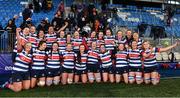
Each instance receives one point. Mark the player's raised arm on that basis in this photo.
(168, 48)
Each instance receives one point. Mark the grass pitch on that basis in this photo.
(166, 88)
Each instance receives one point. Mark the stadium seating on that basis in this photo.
(131, 16)
(177, 56)
(8, 8)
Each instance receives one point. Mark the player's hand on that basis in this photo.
(18, 30)
(176, 44)
(66, 23)
(15, 16)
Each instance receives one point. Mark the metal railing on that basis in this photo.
(7, 41)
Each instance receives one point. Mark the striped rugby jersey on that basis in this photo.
(69, 59)
(33, 40)
(99, 42)
(23, 39)
(121, 58)
(50, 38)
(89, 41)
(105, 59)
(39, 59)
(62, 44)
(53, 60)
(108, 42)
(151, 60)
(139, 43)
(81, 65)
(93, 57)
(76, 43)
(22, 62)
(118, 41)
(134, 57)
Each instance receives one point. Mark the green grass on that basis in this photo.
(167, 88)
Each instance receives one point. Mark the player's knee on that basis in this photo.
(49, 82)
(41, 83)
(69, 81)
(26, 87)
(56, 82)
(139, 79)
(154, 81)
(17, 89)
(105, 80)
(147, 80)
(131, 79)
(126, 81)
(98, 80)
(91, 79)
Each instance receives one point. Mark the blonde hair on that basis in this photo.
(27, 44)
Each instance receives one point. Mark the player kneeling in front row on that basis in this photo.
(150, 65)
(20, 72)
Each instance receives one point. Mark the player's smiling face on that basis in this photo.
(136, 36)
(94, 45)
(76, 34)
(43, 46)
(108, 33)
(121, 47)
(41, 34)
(93, 34)
(69, 47)
(62, 34)
(102, 49)
(82, 48)
(119, 34)
(134, 45)
(26, 31)
(32, 29)
(100, 34)
(28, 47)
(146, 45)
(55, 47)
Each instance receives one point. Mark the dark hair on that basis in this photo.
(79, 54)
(66, 36)
(102, 45)
(40, 43)
(110, 31)
(52, 48)
(123, 45)
(132, 42)
(98, 35)
(117, 33)
(38, 33)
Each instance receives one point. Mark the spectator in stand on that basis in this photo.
(57, 21)
(96, 25)
(44, 5)
(83, 18)
(93, 15)
(28, 23)
(11, 26)
(27, 13)
(73, 16)
(36, 6)
(11, 29)
(44, 25)
(61, 7)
